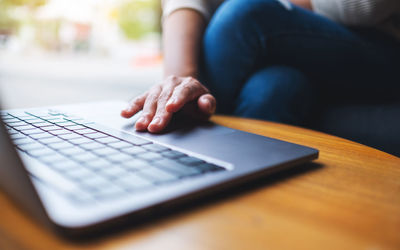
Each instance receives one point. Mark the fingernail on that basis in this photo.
(208, 103)
(141, 120)
(210, 106)
(129, 108)
(156, 121)
(171, 101)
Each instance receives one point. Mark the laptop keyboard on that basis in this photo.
(101, 165)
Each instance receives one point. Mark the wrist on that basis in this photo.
(181, 72)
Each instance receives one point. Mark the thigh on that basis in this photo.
(276, 93)
(247, 35)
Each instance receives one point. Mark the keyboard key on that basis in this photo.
(73, 151)
(12, 131)
(65, 165)
(173, 154)
(82, 197)
(55, 120)
(49, 139)
(85, 157)
(42, 124)
(52, 116)
(176, 168)
(40, 152)
(109, 192)
(17, 123)
(66, 124)
(96, 135)
(31, 146)
(50, 128)
(98, 164)
(22, 141)
(23, 127)
(107, 140)
(85, 131)
(18, 113)
(41, 136)
(95, 181)
(120, 144)
(132, 182)
(39, 113)
(113, 172)
(30, 118)
(138, 141)
(188, 160)
(76, 127)
(72, 117)
(60, 132)
(105, 151)
(207, 167)
(156, 175)
(9, 118)
(92, 145)
(155, 148)
(32, 131)
(70, 136)
(149, 156)
(134, 150)
(80, 140)
(55, 112)
(83, 122)
(135, 164)
(17, 136)
(61, 145)
(78, 173)
(53, 158)
(120, 157)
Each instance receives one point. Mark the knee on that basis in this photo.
(277, 93)
(274, 84)
(241, 24)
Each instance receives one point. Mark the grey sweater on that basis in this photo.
(384, 14)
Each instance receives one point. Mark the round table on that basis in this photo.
(347, 199)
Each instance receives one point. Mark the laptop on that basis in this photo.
(81, 168)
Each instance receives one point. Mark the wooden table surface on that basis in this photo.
(348, 199)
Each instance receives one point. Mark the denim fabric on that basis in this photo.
(270, 60)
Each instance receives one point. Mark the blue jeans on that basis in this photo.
(271, 61)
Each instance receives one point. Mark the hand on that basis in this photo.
(174, 94)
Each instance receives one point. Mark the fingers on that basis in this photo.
(187, 91)
(161, 101)
(207, 104)
(162, 116)
(149, 109)
(202, 108)
(134, 106)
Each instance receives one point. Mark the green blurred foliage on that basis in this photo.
(137, 18)
(31, 3)
(7, 21)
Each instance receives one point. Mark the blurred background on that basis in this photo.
(63, 51)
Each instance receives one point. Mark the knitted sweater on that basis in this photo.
(384, 14)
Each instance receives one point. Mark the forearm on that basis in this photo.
(182, 35)
(303, 3)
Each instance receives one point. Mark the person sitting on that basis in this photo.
(270, 59)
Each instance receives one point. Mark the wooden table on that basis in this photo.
(348, 199)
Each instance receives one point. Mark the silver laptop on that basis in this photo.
(81, 168)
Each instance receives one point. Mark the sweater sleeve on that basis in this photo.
(202, 6)
(356, 12)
